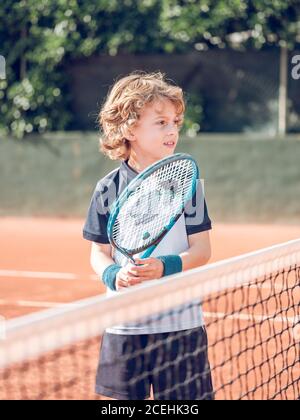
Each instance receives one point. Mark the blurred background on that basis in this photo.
(238, 63)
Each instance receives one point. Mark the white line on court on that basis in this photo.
(71, 276)
(44, 275)
(35, 304)
(252, 317)
(220, 315)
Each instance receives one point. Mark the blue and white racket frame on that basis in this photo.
(132, 186)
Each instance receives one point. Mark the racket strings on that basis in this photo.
(153, 205)
(146, 207)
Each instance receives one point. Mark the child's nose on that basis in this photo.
(172, 128)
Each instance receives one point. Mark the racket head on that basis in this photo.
(152, 203)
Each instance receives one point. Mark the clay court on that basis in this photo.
(45, 264)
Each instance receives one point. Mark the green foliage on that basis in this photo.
(34, 95)
(39, 38)
(193, 115)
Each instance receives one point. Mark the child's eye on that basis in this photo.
(178, 122)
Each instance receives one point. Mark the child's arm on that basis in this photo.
(199, 252)
(100, 257)
(196, 255)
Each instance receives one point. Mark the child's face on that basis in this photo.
(156, 134)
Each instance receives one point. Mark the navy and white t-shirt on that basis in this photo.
(194, 219)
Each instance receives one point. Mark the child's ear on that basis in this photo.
(128, 134)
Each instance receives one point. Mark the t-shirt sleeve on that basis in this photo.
(196, 212)
(95, 227)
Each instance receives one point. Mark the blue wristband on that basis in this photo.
(109, 275)
(172, 264)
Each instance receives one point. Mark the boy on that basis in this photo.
(141, 119)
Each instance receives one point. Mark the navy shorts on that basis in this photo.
(174, 363)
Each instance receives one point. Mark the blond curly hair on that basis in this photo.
(124, 103)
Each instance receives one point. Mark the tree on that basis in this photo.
(38, 38)
(235, 23)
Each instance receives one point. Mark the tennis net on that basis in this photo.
(250, 305)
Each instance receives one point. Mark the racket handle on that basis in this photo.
(132, 260)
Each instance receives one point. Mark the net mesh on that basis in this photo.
(251, 311)
(151, 206)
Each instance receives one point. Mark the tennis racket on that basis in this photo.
(151, 204)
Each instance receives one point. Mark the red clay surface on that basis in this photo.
(35, 250)
(41, 245)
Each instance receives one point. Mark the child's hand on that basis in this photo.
(150, 269)
(131, 274)
(125, 279)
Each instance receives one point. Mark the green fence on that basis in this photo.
(246, 180)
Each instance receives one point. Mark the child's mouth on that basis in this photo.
(169, 144)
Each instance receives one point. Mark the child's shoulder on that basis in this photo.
(109, 180)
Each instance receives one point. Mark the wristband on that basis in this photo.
(110, 274)
(172, 264)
